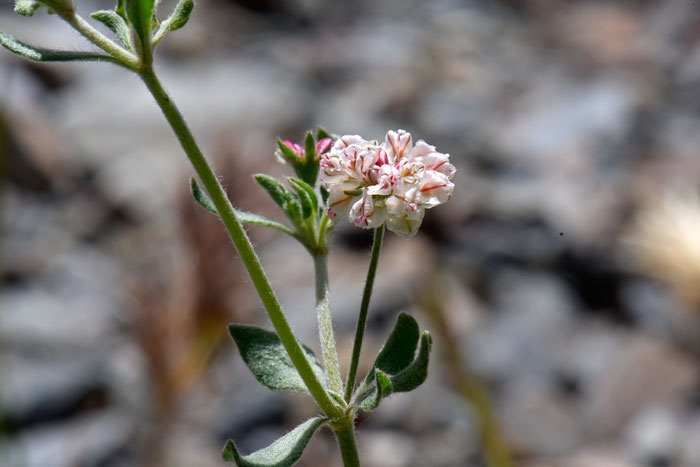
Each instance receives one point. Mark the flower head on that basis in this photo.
(393, 182)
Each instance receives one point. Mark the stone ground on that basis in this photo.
(565, 121)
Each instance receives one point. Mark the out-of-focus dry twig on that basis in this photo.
(494, 448)
(665, 239)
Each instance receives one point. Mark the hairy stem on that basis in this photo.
(325, 323)
(96, 37)
(345, 434)
(362, 318)
(241, 242)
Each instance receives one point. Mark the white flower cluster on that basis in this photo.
(394, 182)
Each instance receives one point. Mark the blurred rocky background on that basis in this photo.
(561, 283)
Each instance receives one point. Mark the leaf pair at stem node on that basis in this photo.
(397, 368)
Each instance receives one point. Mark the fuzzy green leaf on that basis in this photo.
(400, 348)
(39, 54)
(309, 203)
(282, 453)
(243, 216)
(398, 363)
(307, 209)
(140, 15)
(120, 9)
(27, 7)
(338, 398)
(254, 219)
(308, 189)
(415, 374)
(310, 147)
(370, 399)
(116, 24)
(202, 197)
(282, 196)
(287, 152)
(322, 133)
(178, 19)
(181, 15)
(307, 169)
(266, 357)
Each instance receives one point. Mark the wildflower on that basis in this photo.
(392, 183)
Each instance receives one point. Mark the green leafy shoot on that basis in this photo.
(201, 197)
(286, 153)
(243, 216)
(310, 148)
(286, 200)
(116, 24)
(120, 9)
(382, 389)
(309, 202)
(396, 368)
(282, 453)
(27, 7)
(39, 54)
(267, 358)
(140, 14)
(308, 189)
(179, 17)
(322, 133)
(416, 373)
(399, 350)
(306, 164)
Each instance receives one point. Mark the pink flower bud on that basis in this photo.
(298, 150)
(323, 146)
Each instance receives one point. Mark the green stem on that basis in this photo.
(325, 323)
(241, 242)
(362, 319)
(96, 37)
(345, 434)
(322, 233)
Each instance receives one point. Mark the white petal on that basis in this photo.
(347, 140)
(398, 144)
(339, 202)
(404, 226)
(422, 149)
(382, 178)
(438, 162)
(435, 189)
(366, 214)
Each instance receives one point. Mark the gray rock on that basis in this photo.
(92, 439)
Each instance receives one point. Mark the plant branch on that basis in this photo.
(124, 57)
(241, 242)
(325, 323)
(362, 318)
